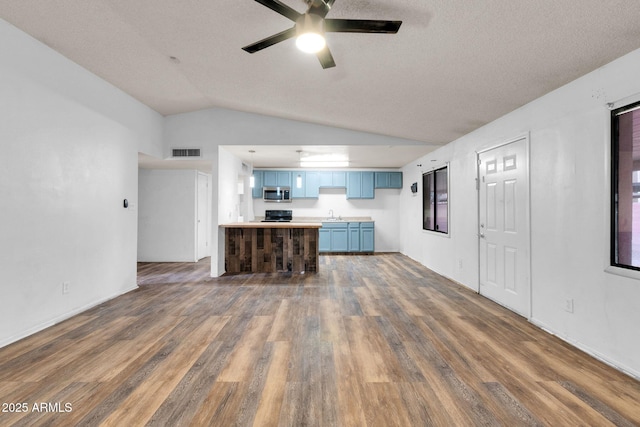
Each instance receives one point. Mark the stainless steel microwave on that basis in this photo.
(276, 194)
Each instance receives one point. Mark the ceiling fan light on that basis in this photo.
(310, 42)
(310, 32)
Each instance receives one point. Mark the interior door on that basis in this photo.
(504, 226)
(203, 216)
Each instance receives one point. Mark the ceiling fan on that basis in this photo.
(309, 28)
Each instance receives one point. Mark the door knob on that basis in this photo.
(482, 235)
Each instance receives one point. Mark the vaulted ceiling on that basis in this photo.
(454, 66)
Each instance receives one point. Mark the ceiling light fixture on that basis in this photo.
(299, 177)
(326, 160)
(324, 164)
(252, 179)
(310, 33)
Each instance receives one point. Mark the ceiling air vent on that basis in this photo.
(185, 152)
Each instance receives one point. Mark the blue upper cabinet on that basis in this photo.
(339, 179)
(309, 185)
(301, 177)
(277, 179)
(360, 185)
(368, 191)
(312, 184)
(354, 185)
(332, 179)
(395, 179)
(388, 179)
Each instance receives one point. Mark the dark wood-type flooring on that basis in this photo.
(369, 340)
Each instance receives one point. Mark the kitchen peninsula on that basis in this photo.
(270, 247)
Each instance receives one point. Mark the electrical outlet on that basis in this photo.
(459, 264)
(65, 287)
(568, 305)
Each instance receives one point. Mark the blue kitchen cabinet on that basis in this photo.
(347, 237)
(339, 240)
(312, 185)
(276, 178)
(284, 179)
(368, 185)
(395, 179)
(360, 185)
(324, 240)
(354, 185)
(388, 179)
(367, 237)
(334, 237)
(332, 179)
(339, 179)
(354, 237)
(298, 192)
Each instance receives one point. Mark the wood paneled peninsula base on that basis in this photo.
(268, 247)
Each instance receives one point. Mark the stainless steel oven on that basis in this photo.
(276, 194)
(277, 216)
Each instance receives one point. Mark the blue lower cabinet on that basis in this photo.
(347, 237)
(367, 237)
(339, 240)
(324, 237)
(354, 237)
(334, 237)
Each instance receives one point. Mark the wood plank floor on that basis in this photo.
(368, 341)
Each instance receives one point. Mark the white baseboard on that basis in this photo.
(591, 352)
(61, 318)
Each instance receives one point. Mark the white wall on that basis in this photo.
(231, 204)
(167, 215)
(569, 164)
(69, 159)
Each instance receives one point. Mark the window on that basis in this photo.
(625, 192)
(435, 200)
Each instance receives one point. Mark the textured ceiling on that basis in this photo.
(453, 66)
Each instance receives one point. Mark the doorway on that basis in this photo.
(504, 237)
(202, 217)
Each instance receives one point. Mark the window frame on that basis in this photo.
(614, 198)
(425, 190)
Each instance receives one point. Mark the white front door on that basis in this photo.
(504, 225)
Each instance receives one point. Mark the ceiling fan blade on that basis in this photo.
(281, 8)
(326, 59)
(321, 7)
(361, 26)
(270, 41)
